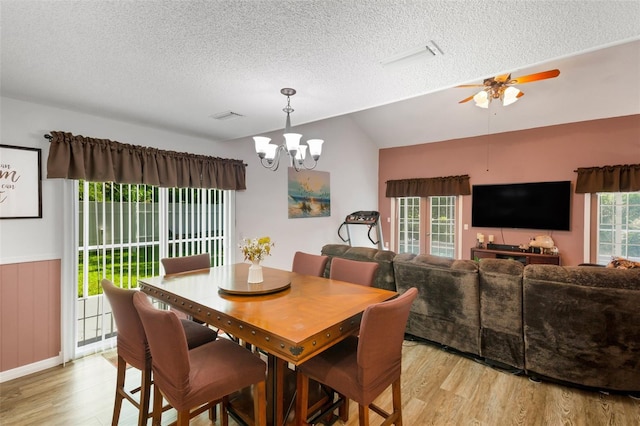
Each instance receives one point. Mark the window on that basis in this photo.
(442, 225)
(124, 231)
(618, 226)
(440, 239)
(408, 225)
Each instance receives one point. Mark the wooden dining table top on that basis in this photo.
(305, 316)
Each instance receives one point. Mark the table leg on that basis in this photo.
(275, 390)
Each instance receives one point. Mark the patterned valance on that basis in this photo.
(102, 160)
(427, 187)
(621, 178)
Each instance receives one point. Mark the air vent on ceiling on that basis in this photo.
(429, 49)
(226, 115)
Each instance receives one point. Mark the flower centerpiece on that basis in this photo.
(254, 250)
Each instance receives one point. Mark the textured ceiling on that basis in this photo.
(174, 64)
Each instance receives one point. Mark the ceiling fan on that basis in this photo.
(501, 87)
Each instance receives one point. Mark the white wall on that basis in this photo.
(352, 162)
(348, 156)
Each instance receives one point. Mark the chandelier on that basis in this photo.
(296, 152)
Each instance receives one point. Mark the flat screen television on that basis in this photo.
(536, 205)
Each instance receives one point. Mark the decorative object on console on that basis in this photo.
(270, 153)
(622, 263)
(254, 250)
(500, 87)
(544, 243)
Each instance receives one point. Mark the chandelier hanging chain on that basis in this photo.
(270, 153)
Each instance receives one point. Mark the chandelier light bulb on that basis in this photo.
(292, 142)
(315, 148)
(261, 145)
(301, 154)
(270, 151)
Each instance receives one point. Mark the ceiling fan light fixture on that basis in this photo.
(510, 95)
(482, 99)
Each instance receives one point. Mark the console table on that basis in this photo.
(524, 257)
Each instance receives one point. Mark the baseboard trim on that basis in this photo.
(25, 370)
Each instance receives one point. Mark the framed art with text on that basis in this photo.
(20, 182)
(309, 194)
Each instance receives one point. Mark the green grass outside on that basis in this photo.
(122, 267)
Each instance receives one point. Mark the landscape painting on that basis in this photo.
(309, 194)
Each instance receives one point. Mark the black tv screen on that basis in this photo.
(537, 205)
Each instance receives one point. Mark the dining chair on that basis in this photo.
(176, 265)
(353, 271)
(132, 348)
(309, 264)
(196, 380)
(181, 264)
(362, 367)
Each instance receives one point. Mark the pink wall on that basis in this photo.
(542, 154)
(29, 312)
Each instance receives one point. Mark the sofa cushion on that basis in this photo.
(582, 325)
(501, 337)
(384, 277)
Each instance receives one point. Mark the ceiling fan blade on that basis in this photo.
(535, 77)
(466, 99)
(502, 78)
(519, 95)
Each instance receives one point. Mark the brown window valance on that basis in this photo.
(102, 160)
(621, 178)
(428, 187)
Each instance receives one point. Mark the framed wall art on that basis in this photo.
(20, 182)
(309, 194)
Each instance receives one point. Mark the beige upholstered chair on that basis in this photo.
(309, 264)
(195, 380)
(362, 367)
(353, 271)
(134, 350)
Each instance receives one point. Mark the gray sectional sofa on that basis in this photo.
(576, 324)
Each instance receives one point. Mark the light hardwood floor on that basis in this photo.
(438, 388)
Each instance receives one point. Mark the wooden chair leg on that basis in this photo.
(183, 418)
(343, 411)
(302, 398)
(224, 413)
(157, 406)
(260, 403)
(363, 415)
(397, 402)
(145, 394)
(117, 405)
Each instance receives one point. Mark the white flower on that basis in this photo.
(256, 249)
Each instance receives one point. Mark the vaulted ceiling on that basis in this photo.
(175, 64)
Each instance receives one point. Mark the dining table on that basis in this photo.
(289, 316)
